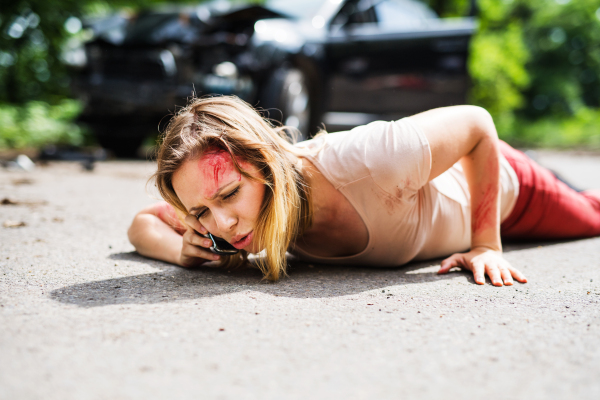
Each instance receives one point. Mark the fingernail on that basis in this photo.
(216, 257)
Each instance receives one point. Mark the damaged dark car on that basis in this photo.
(305, 62)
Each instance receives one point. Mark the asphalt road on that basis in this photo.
(84, 317)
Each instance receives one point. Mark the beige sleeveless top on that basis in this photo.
(383, 168)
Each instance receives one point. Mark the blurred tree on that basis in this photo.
(563, 37)
(535, 59)
(32, 36)
(499, 54)
(32, 33)
(532, 60)
(498, 61)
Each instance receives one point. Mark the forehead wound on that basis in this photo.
(217, 166)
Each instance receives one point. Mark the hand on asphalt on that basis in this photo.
(482, 261)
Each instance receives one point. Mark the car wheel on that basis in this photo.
(288, 92)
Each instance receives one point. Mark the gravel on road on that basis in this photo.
(82, 316)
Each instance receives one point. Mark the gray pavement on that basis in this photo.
(84, 317)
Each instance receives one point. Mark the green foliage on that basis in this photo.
(535, 66)
(450, 8)
(34, 82)
(498, 62)
(579, 130)
(565, 57)
(37, 123)
(33, 34)
(497, 68)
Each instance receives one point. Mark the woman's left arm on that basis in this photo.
(467, 134)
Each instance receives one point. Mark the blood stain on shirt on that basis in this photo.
(399, 192)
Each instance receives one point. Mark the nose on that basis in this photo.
(225, 220)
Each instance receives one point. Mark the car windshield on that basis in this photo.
(295, 8)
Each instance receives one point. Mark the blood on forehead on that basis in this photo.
(217, 168)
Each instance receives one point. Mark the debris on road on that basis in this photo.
(13, 224)
(25, 163)
(22, 181)
(7, 201)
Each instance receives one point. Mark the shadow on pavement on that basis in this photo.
(516, 245)
(173, 283)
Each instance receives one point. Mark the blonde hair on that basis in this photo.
(230, 124)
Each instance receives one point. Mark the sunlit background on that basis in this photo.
(534, 64)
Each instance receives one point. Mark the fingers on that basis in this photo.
(479, 270)
(493, 272)
(191, 237)
(198, 252)
(503, 273)
(193, 223)
(195, 249)
(517, 275)
(505, 268)
(506, 276)
(493, 265)
(456, 260)
(508, 272)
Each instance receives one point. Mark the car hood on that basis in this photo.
(176, 24)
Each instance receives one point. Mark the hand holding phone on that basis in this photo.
(199, 246)
(220, 246)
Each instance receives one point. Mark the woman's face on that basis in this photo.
(225, 202)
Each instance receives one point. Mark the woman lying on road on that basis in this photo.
(435, 184)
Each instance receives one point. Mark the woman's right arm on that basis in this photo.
(157, 233)
(468, 134)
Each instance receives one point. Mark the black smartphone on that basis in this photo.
(221, 246)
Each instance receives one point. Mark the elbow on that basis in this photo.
(483, 123)
(132, 232)
(135, 230)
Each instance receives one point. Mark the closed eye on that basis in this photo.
(232, 194)
(226, 197)
(201, 214)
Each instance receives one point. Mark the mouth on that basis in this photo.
(243, 241)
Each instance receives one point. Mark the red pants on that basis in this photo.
(546, 207)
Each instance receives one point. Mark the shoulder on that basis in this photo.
(381, 149)
(444, 118)
(339, 156)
